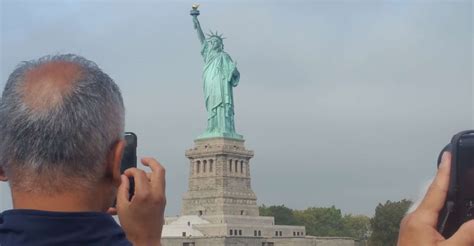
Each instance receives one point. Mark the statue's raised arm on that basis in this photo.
(197, 25)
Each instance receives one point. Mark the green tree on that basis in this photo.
(282, 214)
(321, 221)
(386, 222)
(356, 226)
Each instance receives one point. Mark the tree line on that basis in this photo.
(379, 230)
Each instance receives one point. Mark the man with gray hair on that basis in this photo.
(61, 144)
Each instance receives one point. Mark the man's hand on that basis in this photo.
(419, 228)
(142, 218)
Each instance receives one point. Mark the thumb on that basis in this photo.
(122, 193)
(463, 237)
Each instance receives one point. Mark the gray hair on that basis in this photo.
(68, 141)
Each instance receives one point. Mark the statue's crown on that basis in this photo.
(215, 35)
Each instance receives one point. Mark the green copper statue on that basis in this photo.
(220, 75)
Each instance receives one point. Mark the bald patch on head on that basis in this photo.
(46, 85)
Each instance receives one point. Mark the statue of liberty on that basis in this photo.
(220, 75)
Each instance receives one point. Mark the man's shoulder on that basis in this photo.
(34, 227)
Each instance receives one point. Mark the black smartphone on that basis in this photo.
(129, 158)
(459, 205)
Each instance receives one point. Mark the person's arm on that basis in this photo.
(419, 227)
(142, 218)
(197, 26)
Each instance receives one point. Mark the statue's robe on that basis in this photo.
(220, 75)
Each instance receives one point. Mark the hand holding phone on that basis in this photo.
(420, 226)
(142, 217)
(459, 204)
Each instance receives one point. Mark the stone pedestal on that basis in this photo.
(219, 179)
(220, 208)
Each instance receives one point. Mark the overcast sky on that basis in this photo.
(345, 103)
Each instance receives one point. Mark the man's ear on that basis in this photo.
(3, 175)
(114, 158)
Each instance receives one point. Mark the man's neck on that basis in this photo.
(77, 201)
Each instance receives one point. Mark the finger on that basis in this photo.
(435, 197)
(157, 177)
(158, 171)
(112, 211)
(142, 184)
(122, 192)
(463, 237)
(154, 165)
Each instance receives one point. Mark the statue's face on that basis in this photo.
(215, 43)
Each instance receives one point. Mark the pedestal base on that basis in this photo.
(219, 179)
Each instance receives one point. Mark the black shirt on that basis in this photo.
(40, 228)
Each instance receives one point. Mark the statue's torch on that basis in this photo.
(194, 10)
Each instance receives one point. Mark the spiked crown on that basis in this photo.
(215, 35)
